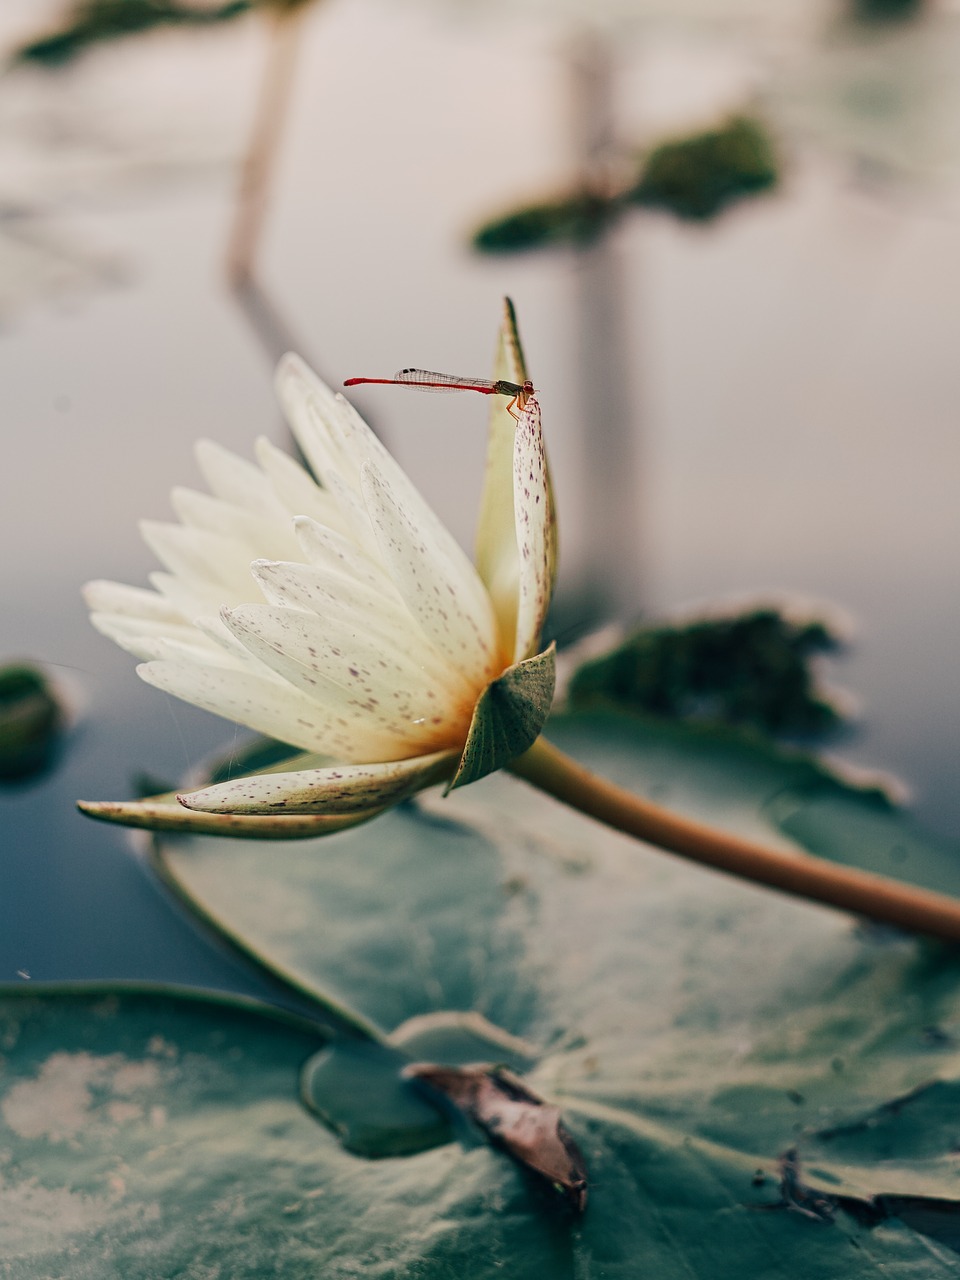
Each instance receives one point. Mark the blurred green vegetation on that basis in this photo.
(887, 10)
(700, 176)
(694, 178)
(752, 670)
(31, 720)
(89, 22)
(577, 220)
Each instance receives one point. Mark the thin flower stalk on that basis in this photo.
(799, 874)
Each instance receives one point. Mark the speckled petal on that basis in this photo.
(161, 814)
(379, 614)
(263, 703)
(340, 789)
(318, 588)
(332, 426)
(377, 687)
(328, 549)
(369, 456)
(534, 518)
(452, 615)
(496, 543)
(214, 628)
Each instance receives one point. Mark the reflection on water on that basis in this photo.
(796, 369)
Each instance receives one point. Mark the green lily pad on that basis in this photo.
(358, 1088)
(753, 668)
(759, 1086)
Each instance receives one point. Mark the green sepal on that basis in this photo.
(508, 717)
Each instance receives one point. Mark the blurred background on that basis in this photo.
(732, 233)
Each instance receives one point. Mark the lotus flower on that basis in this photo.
(330, 609)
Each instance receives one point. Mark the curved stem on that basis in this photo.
(800, 874)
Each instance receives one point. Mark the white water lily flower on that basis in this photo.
(334, 612)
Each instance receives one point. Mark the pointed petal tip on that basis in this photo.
(192, 802)
(290, 362)
(292, 372)
(159, 814)
(91, 590)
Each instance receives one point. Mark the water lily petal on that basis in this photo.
(368, 454)
(198, 557)
(255, 534)
(161, 814)
(346, 447)
(194, 600)
(534, 519)
(238, 482)
(340, 789)
(295, 487)
(496, 544)
(382, 619)
(149, 638)
(214, 628)
(264, 703)
(370, 683)
(326, 548)
(456, 621)
(300, 391)
(354, 513)
(319, 588)
(103, 597)
(334, 649)
(310, 406)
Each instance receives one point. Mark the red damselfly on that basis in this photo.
(425, 380)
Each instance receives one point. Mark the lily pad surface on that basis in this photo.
(758, 1086)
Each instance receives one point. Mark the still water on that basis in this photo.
(795, 383)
